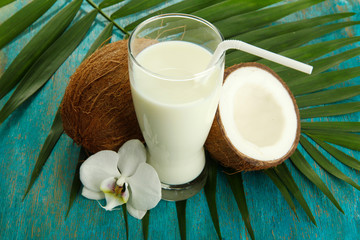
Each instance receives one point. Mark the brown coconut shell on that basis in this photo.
(97, 109)
(221, 148)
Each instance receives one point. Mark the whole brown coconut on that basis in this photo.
(219, 143)
(97, 109)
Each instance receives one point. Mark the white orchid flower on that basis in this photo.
(122, 177)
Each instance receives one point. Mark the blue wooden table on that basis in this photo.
(42, 214)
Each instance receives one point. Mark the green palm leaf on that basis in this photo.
(49, 144)
(134, 7)
(76, 183)
(304, 167)
(210, 193)
(22, 19)
(108, 18)
(329, 96)
(318, 82)
(310, 52)
(236, 25)
(347, 140)
(325, 163)
(276, 30)
(181, 215)
(237, 187)
(5, 2)
(282, 188)
(145, 225)
(339, 155)
(320, 65)
(57, 130)
(230, 8)
(332, 126)
(285, 41)
(327, 63)
(47, 64)
(103, 38)
(126, 220)
(284, 174)
(108, 3)
(36, 46)
(186, 6)
(330, 110)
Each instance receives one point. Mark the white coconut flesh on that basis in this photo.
(258, 114)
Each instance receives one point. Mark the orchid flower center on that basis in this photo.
(119, 190)
(120, 187)
(116, 192)
(121, 180)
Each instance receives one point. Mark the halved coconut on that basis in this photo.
(257, 124)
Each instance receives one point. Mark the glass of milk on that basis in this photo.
(175, 94)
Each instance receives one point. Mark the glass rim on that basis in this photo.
(183, 15)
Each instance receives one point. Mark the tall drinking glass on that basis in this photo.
(175, 94)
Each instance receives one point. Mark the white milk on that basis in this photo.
(175, 115)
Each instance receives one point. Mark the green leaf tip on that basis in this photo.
(50, 141)
(282, 188)
(344, 139)
(304, 167)
(237, 187)
(76, 183)
(284, 174)
(181, 215)
(126, 220)
(145, 225)
(339, 155)
(325, 163)
(210, 193)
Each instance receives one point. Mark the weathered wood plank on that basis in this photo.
(42, 214)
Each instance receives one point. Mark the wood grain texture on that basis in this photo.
(42, 214)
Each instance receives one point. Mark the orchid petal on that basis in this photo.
(131, 154)
(97, 168)
(139, 214)
(112, 201)
(114, 194)
(145, 188)
(91, 194)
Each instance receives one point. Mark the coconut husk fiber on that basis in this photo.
(97, 109)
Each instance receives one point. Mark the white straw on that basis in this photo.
(239, 45)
